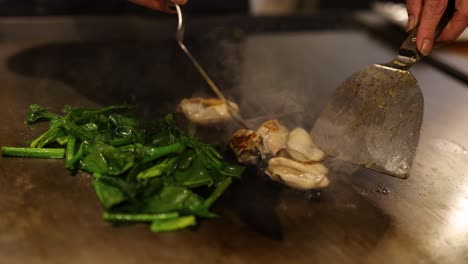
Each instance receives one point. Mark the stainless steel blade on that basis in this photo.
(374, 119)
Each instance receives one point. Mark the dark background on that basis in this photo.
(112, 7)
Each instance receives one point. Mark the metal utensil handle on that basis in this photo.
(410, 50)
(180, 40)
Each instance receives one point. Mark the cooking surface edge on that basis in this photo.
(363, 217)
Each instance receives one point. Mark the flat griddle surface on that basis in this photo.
(49, 216)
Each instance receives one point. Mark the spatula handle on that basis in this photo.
(410, 50)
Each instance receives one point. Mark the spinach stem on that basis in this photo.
(78, 131)
(173, 224)
(70, 150)
(222, 186)
(139, 217)
(47, 153)
(44, 138)
(155, 153)
(197, 182)
(70, 162)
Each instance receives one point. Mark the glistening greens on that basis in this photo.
(142, 171)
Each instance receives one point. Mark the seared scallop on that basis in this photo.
(206, 111)
(296, 174)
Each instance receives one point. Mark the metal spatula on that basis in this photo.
(374, 118)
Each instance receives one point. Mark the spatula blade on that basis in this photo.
(374, 120)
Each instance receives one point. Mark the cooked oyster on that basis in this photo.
(292, 156)
(274, 137)
(206, 111)
(301, 147)
(246, 145)
(296, 174)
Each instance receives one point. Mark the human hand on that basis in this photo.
(427, 14)
(160, 5)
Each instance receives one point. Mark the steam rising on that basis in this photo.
(267, 76)
(272, 84)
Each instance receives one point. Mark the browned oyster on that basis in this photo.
(206, 111)
(301, 147)
(274, 137)
(292, 157)
(296, 174)
(246, 145)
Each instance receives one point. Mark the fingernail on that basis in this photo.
(426, 47)
(410, 24)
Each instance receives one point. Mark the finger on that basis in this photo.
(153, 4)
(414, 8)
(160, 5)
(431, 14)
(170, 8)
(457, 24)
(179, 2)
(455, 27)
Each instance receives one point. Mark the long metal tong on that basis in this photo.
(219, 94)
